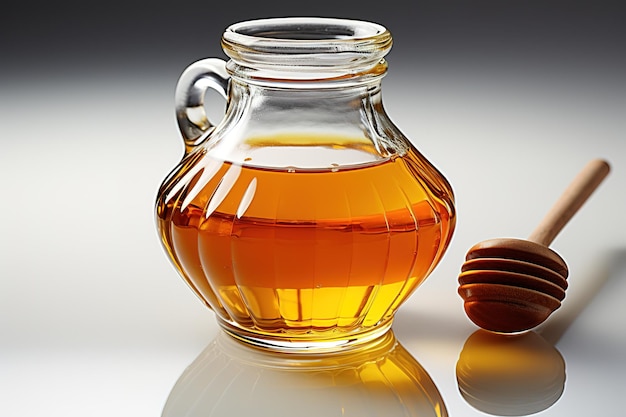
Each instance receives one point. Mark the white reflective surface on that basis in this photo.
(96, 322)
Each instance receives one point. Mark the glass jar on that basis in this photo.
(304, 218)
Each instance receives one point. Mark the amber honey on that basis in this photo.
(307, 254)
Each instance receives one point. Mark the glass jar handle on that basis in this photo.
(189, 98)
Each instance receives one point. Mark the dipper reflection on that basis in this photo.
(511, 375)
(377, 379)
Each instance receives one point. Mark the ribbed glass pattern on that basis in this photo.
(303, 254)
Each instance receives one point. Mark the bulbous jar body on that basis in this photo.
(305, 218)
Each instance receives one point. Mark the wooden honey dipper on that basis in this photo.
(512, 285)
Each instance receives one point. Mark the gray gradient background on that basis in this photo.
(508, 98)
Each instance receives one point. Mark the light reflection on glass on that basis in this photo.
(229, 378)
(510, 375)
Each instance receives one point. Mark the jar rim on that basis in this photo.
(335, 42)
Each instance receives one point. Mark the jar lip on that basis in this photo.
(298, 39)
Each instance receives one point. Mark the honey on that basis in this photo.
(305, 254)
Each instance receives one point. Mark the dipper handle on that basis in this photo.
(570, 201)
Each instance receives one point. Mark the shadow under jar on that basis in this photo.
(305, 218)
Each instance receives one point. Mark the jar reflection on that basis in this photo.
(510, 375)
(380, 378)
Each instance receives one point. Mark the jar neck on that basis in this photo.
(325, 107)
